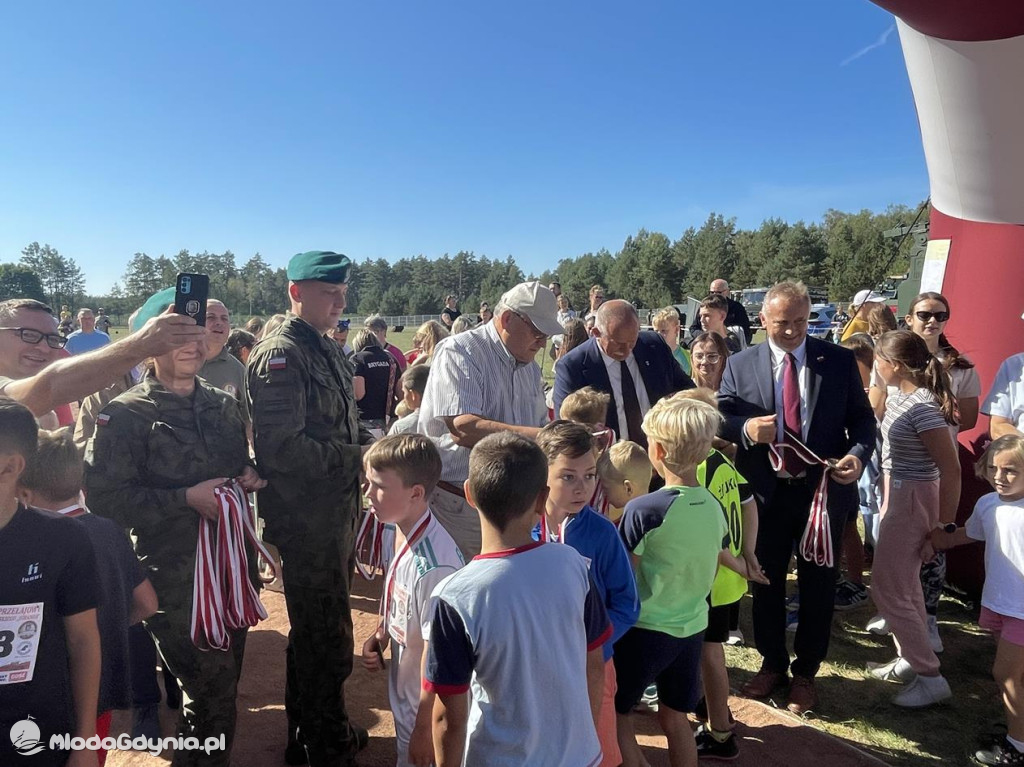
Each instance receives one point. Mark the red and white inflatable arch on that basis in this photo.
(966, 67)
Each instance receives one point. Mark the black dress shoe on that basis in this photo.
(295, 752)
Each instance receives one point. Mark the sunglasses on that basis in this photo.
(31, 336)
(925, 316)
(343, 324)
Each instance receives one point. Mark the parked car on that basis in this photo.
(820, 324)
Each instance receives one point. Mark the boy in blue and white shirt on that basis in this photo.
(572, 475)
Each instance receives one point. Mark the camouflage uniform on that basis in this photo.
(307, 439)
(150, 446)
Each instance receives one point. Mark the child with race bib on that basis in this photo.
(401, 473)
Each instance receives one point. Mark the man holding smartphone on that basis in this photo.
(308, 446)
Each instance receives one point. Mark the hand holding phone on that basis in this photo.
(191, 292)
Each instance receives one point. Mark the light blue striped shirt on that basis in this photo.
(472, 373)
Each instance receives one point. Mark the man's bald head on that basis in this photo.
(719, 286)
(614, 311)
(617, 327)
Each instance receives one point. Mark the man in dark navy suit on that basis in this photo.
(636, 369)
(795, 388)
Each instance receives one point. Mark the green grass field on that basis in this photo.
(858, 709)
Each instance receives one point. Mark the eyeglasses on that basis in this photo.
(713, 358)
(31, 336)
(343, 324)
(925, 316)
(537, 334)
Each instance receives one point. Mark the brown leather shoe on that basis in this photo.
(802, 695)
(763, 683)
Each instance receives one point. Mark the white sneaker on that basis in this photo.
(924, 691)
(878, 626)
(735, 638)
(896, 670)
(933, 634)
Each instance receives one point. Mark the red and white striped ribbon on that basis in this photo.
(370, 545)
(223, 596)
(816, 542)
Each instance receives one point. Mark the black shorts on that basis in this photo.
(643, 656)
(722, 620)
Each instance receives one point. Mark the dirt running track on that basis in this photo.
(768, 738)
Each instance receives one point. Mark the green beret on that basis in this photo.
(155, 305)
(322, 265)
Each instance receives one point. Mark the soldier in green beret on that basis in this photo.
(308, 446)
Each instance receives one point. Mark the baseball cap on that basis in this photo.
(537, 303)
(867, 297)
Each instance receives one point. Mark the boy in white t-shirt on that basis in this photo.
(401, 473)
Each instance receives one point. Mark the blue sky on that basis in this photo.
(537, 129)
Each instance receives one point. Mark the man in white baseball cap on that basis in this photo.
(483, 381)
(858, 312)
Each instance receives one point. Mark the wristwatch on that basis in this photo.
(949, 527)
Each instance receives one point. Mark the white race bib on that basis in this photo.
(20, 629)
(399, 619)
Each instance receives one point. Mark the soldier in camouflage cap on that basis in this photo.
(158, 452)
(307, 440)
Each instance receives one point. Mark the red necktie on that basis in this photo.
(792, 426)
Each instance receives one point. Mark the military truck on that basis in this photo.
(900, 290)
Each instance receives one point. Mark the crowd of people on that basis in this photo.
(553, 558)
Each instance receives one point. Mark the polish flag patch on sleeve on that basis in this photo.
(102, 419)
(278, 363)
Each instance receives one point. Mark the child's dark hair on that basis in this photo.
(715, 301)
(1008, 443)
(906, 348)
(566, 438)
(863, 347)
(506, 475)
(412, 457)
(240, 339)
(18, 430)
(57, 469)
(953, 356)
(415, 378)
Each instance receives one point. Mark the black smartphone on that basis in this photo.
(190, 294)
